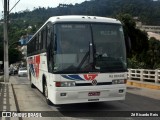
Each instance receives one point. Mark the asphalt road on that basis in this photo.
(29, 99)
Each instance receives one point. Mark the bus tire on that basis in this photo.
(30, 78)
(45, 88)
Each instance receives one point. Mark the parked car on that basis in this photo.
(12, 71)
(22, 72)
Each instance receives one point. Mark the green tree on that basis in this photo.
(14, 55)
(139, 39)
(153, 54)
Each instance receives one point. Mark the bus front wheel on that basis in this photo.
(46, 94)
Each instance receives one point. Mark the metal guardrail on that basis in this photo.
(144, 75)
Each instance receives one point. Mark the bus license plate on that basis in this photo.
(94, 94)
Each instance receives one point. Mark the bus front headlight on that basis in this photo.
(65, 84)
(119, 81)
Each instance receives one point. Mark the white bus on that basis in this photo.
(78, 59)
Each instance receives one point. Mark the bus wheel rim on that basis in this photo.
(46, 91)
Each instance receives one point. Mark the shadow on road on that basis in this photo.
(88, 109)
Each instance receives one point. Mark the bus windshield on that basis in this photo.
(88, 47)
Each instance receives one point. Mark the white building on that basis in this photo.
(24, 51)
(151, 34)
(148, 28)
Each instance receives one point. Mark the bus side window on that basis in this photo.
(48, 34)
(50, 48)
(41, 46)
(34, 45)
(31, 47)
(39, 38)
(44, 38)
(37, 42)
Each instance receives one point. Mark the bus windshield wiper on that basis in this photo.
(85, 57)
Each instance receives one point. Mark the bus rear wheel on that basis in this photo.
(46, 94)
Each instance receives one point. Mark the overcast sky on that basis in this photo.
(30, 4)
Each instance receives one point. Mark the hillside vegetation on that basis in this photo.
(147, 10)
(144, 53)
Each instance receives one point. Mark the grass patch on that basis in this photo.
(1, 78)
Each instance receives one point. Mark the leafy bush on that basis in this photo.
(133, 63)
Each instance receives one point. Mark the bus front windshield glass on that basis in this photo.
(83, 48)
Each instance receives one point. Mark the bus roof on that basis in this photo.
(79, 18)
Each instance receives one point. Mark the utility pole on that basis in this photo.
(5, 29)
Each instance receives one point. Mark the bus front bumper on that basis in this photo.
(89, 95)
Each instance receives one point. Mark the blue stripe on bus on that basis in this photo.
(67, 77)
(72, 77)
(77, 77)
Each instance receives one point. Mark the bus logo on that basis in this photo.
(90, 76)
(94, 82)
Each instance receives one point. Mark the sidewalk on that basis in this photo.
(7, 101)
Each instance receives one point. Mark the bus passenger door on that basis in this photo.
(50, 60)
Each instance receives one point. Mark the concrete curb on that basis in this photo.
(155, 86)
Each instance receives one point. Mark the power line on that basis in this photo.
(14, 5)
